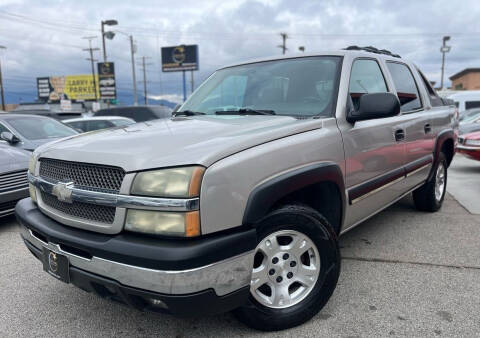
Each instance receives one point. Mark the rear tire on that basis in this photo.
(430, 196)
(298, 259)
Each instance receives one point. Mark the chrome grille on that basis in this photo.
(90, 212)
(7, 208)
(84, 175)
(13, 181)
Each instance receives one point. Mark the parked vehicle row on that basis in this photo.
(237, 202)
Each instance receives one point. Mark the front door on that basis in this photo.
(374, 149)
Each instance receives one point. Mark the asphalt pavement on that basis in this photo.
(404, 273)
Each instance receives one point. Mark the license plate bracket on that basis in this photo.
(56, 265)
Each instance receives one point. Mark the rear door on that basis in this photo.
(374, 149)
(416, 118)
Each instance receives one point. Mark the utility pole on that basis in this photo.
(92, 61)
(444, 49)
(283, 46)
(1, 83)
(132, 52)
(144, 69)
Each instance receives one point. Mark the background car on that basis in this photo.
(52, 110)
(137, 113)
(469, 113)
(469, 125)
(466, 99)
(13, 177)
(469, 145)
(30, 131)
(98, 122)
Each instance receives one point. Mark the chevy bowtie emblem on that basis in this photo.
(63, 191)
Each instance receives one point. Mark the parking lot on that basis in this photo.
(404, 273)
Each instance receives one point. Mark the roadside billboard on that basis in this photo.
(106, 80)
(180, 58)
(68, 87)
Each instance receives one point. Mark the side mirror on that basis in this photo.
(9, 137)
(375, 106)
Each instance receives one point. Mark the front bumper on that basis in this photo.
(214, 267)
(8, 199)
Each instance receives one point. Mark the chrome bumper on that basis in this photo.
(462, 147)
(224, 277)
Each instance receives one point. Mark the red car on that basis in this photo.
(469, 144)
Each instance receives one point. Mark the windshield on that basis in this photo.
(295, 87)
(40, 128)
(470, 116)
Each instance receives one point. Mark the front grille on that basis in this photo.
(7, 208)
(90, 212)
(13, 181)
(83, 175)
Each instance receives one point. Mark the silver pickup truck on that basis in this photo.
(237, 201)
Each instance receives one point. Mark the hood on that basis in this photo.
(472, 136)
(177, 141)
(13, 159)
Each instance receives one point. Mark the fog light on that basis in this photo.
(33, 192)
(157, 303)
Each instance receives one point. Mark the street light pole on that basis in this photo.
(109, 35)
(1, 83)
(444, 49)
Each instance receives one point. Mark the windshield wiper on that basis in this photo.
(187, 113)
(246, 111)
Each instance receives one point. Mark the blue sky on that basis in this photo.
(45, 37)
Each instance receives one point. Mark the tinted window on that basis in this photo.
(472, 104)
(365, 78)
(40, 128)
(3, 128)
(121, 123)
(97, 124)
(407, 90)
(294, 87)
(77, 125)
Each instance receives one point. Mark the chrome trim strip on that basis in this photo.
(121, 201)
(358, 199)
(418, 169)
(224, 277)
(464, 147)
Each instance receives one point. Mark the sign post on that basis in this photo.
(180, 58)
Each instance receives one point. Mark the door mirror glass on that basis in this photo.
(375, 106)
(9, 137)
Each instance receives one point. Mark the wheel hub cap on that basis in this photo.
(439, 182)
(286, 268)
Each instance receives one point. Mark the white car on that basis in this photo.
(466, 99)
(95, 123)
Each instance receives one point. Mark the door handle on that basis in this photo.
(427, 128)
(399, 135)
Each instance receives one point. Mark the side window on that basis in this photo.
(472, 104)
(3, 128)
(97, 124)
(77, 125)
(407, 90)
(366, 78)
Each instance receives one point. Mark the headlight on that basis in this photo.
(175, 182)
(31, 165)
(472, 142)
(163, 223)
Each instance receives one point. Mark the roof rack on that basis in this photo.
(373, 50)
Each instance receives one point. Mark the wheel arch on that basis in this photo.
(445, 143)
(320, 186)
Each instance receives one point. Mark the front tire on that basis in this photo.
(296, 269)
(430, 196)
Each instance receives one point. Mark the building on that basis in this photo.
(467, 79)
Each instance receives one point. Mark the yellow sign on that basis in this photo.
(80, 87)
